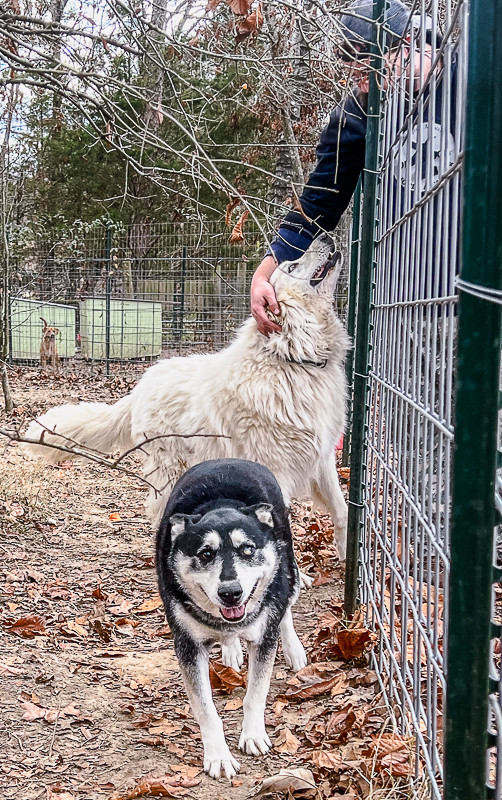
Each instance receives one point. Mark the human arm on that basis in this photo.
(330, 186)
(340, 159)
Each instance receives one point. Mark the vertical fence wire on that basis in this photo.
(405, 555)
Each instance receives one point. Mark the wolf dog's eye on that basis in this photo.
(206, 554)
(247, 550)
(292, 267)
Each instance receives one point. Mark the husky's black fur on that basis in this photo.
(236, 507)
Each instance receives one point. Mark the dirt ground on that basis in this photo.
(92, 702)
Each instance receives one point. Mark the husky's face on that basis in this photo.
(316, 272)
(225, 559)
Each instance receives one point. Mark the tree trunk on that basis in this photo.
(4, 251)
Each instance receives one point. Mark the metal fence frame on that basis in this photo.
(429, 598)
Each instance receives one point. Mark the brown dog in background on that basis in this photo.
(49, 347)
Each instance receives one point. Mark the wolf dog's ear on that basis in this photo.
(263, 511)
(178, 523)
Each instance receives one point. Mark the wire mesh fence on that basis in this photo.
(404, 508)
(126, 295)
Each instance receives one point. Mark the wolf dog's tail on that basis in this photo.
(97, 426)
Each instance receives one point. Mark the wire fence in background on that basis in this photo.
(124, 296)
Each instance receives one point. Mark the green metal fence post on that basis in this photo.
(360, 385)
(351, 315)
(473, 513)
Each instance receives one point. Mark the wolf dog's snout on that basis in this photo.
(230, 593)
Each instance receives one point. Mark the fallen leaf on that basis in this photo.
(32, 711)
(353, 643)
(397, 763)
(224, 678)
(165, 727)
(286, 742)
(122, 609)
(233, 704)
(7, 668)
(327, 759)
(27, 627)
(163, 786)
(114, 517)
(298, 782)
(72, 628)
(152, 604)
(186, 770)
(311, 690)
(56, 793)
(340, 724)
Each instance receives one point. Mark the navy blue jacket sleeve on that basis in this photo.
(327, 193)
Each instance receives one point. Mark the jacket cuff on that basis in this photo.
(290, 243)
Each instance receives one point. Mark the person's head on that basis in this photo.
(356, 30)
(357, 27)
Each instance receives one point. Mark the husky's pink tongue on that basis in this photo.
(236, 612)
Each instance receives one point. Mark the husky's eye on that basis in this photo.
(247, 550)
(292, 267)
(206, 555)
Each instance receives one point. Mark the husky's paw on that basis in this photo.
(294, 653)
(232, 655)
(305, 580)
(255, 743)
(216, 763)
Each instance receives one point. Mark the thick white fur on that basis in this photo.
(288, 416)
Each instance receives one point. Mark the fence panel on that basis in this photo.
(402, 517)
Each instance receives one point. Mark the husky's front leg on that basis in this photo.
(254, 739)
(194, 665)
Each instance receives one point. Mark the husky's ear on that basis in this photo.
(263, 511)
(178, 523)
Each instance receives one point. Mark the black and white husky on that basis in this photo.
(227, 570)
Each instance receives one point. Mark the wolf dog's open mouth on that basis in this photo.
(322, 271)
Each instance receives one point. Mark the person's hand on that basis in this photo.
(263, 297)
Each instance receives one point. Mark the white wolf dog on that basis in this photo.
(278, 401)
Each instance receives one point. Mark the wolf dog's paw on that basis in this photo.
(305, 580)
(294, 653)
(232, 655)
(255, 743)
(217, 762)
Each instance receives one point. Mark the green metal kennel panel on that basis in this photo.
(26, 328)
(135, 329)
